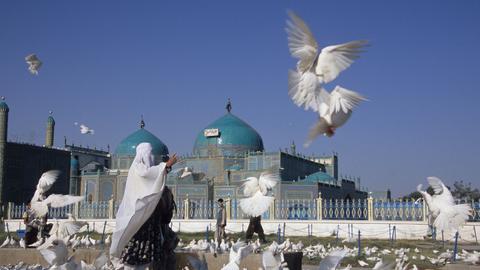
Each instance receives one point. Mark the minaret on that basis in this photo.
(50, 131)
(293, 148)
(3, 142)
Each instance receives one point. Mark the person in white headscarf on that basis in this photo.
(134, 240)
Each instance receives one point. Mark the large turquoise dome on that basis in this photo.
(127, 146)
(227, 136)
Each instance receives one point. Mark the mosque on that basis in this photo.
(225, 152)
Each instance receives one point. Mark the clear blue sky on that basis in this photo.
(176, 62)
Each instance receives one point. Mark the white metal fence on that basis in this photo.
(293, 209)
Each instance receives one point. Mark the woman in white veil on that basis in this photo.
(134, 239)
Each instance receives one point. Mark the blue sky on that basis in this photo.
(176, 62)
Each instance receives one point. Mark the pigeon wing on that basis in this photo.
(250, 187)
(303, 89)
(45, 183)
(268, 180)
(48, 255)
(344, 99)
(336, 58)
(441, 191)
(332, 260)
(101, 260)
(256, 205)
(301, 42)
(58, 200)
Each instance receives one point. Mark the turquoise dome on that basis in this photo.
(127, 146)
(234, 137)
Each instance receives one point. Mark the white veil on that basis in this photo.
(144, 187)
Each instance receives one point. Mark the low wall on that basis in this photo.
(33, 256)
(322, 228)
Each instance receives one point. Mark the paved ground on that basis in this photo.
(32, 256)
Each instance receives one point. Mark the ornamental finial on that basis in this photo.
(229, 105)
(142, 123)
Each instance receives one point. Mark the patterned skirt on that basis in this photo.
(146, 245)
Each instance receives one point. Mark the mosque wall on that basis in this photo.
(25, 163)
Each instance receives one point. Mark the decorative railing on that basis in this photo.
(287, 209)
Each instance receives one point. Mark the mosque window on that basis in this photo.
(91, 189)
(106, 190)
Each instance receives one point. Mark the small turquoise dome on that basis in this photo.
(127, 146)
(234, 137)
(318, 177)
(4, 106)
(50, 120)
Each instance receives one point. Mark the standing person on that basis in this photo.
(139, 235)
(221, 222)
(255, 226)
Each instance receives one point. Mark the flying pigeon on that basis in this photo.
(34, 63)
(315, 68)
(40, 203)
(256, 189)
(86, 130)
(441, 205)
(335, 109)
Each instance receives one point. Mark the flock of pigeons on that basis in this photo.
(315, 69)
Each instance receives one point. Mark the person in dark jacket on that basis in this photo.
(221, 222)
(255, 226)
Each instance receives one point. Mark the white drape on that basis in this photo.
(144, 187)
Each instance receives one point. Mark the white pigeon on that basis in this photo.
(38, 243)
(332, 260)
(86, 130)
(256, 190)
(39, 204)
(198, 264)
(237, 253)
(34, 63)
(313, 68)
(447, 215)
(99, 263)
(68, 227)
(13, 242)
(22, 243)
(362, 263)
(54, 252)
(271, 261)
(108, 240)
(6, 242)
(335, 109)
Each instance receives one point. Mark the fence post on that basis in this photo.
(228, 208)
(76, 210)
(424, 205)
(319, 206)
(9, 210)
(186, 205)
(111, 208)
(272, 210)
(370, 208)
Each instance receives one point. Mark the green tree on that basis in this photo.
(465, 191)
